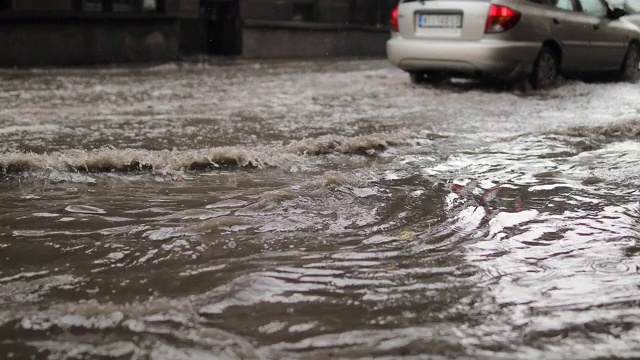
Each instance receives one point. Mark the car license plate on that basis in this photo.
(440, 21)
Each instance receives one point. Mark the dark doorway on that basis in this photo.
(5, 5)
(223, 34)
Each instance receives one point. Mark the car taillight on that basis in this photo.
(501, 18)
(394, 20)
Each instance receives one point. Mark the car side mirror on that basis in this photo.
(616, 13)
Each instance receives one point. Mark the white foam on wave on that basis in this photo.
(111, 159)
(27, 129)
(624, 129)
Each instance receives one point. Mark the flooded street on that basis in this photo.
(314, 210)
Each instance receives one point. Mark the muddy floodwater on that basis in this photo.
(315, 210)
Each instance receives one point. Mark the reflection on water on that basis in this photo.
(412, 233)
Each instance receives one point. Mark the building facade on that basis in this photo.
(78, 32)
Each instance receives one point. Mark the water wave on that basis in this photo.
(127, 160)
(617, 130)
(158, 329)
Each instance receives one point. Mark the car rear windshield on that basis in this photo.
(632, 6)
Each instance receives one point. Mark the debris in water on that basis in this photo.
(591, 180)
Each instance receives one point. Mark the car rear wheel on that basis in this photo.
(630, 69)
(545, 69)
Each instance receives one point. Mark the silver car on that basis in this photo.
(512, 40)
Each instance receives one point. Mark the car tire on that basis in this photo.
(545, 69)
(417, 77)
(630, 68)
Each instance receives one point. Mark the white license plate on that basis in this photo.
(440, 21)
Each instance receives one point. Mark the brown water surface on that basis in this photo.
(314, 210)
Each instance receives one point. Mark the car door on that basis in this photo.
(609, 39)
(568, 28)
